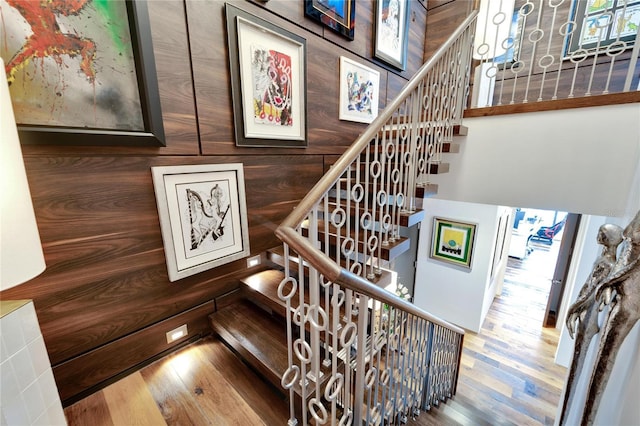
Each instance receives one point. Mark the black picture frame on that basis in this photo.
(342, 23)
(242, 27)
(153, 133)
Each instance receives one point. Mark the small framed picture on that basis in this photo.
(453, 241)
(203, 216)
(338, 15)
(359, 91)
(602, 26)
(268, 82)
(392, 31)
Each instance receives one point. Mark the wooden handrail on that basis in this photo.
(582, 102)
(287, 233)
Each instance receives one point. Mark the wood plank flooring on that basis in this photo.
(507, 376)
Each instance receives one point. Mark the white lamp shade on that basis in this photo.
(21, 256)
(493, 28)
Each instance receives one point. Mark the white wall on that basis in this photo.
(456, 294)
(584, 160)
(579, 160)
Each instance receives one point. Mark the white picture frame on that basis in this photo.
(392, 32)
(359, 91)
(203, 216)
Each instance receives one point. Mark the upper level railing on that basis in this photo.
(356, 351)
(554, 50)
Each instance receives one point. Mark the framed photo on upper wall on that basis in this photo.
(453, 241)
(203, 216)
(392, 32)
(83, 74)
(359, 91)
(268, 82)
(338, 15)
(602, 26)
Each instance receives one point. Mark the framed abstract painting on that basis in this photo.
(359, 91)
(452, 241)
(268, 82)
(203, 216)
(82, 72)
(392, 32)
(337, 15)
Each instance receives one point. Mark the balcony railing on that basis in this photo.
(554, 50)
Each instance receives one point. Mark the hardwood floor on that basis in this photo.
(507, 375)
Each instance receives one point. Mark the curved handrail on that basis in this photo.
(287, 233)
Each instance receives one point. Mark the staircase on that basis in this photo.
(319, 323)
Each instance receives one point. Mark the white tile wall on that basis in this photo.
(28, 392)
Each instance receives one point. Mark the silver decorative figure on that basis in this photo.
(582, 317)
(622, 290)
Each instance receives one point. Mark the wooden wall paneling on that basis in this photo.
(432, 4)
(209, 55)
(395, 84)
(106, 270)
(417, 37)
(330, 160)
(442, 19)
(170, 45)
(77, 376)
(362, 43)
(326, 133)
(171, 48)
(581, 85)
(292, 11)
(105, 293)
(274, 186)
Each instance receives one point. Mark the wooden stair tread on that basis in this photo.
(458, 130)
(388, 251)
(258, 337)
(447, 147)
(263, 288)
(434, 168)
(407, 218)
(426, 190)
(276, 255)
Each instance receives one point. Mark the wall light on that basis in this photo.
(21, 256)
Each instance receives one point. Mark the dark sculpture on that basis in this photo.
(620, 290)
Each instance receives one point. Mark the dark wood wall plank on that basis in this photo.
(442, 19)
(104, 300)
(79, 375)
(101, 235)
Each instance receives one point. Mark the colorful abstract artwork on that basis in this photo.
(453, 241)
(71, 63)
(268, 76)
(81, 72)
(203, 216)
(271, 80)
(337, 15)
(359, 91)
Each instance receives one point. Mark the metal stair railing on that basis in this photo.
(388, 359)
